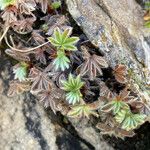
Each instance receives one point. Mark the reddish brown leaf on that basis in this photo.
(120, 73)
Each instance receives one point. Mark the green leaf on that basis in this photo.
(21, 71)
(5, 3)
(61, 61)
(147, 5)
(53, 41)
(83, 110)
(147, 24)
(72, 87)
(56, 5)
(114, 106)
(128, 120)
(62, 41)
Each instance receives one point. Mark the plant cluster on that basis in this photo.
(64, 72)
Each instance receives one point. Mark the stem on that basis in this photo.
(24, 50)
(4, 33)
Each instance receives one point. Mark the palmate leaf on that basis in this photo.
(120, 72)
(128, 120)
(92, 64)
(73, 97)
(114, 106)
(61, 61)
(118, 102)
(51, 97)
(20, 71)
(39, 79)
(62, 41)
(16, 88)
(83, 110)
(72, 87)
(5, 3)
(112, 128)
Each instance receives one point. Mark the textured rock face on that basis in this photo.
(23, 127)
(26, 125)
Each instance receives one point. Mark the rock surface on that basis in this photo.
(26, 125)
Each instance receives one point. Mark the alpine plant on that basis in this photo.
(72, 87)
(63, 42)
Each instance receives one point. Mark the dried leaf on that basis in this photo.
(51, 97)
(120, 73)
(16, 88)
(40, 80)
(92, 65)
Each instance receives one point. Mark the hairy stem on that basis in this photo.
(24, 50)
(4, 33)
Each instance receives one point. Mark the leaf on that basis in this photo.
(114, 106)
(56, 5)
(16, 88)
(40, 80)
(129, 120)
(118, 102)
(72, 87)
(120, 73)
(147, 24)
(61, 61)
(5, 3)
(92, 65)
(50, 97)
(62, 41)
(81, 111)
(20, 71)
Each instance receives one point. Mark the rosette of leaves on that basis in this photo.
(72, 87)
(63, 42)
(117, 103)
(20, 71)
(5, 3)
(129, 120)
(82, 110)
